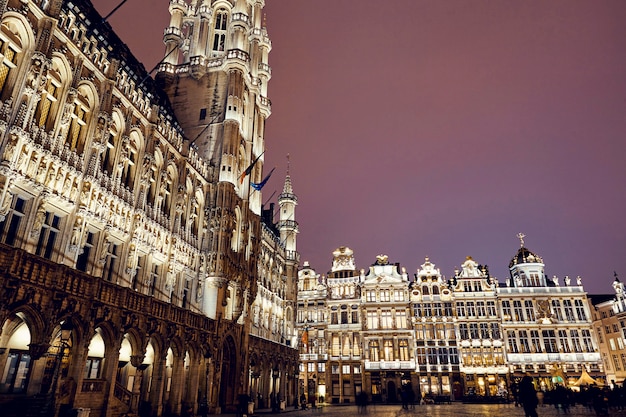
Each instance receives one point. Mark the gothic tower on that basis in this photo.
(215, 73)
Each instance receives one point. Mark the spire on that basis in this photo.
(287, 188)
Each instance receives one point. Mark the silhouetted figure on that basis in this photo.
(528, 396)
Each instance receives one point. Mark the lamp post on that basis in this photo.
(66, 331)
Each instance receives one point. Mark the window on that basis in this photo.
(556, 310)
(569, 312)
(506, 310)
(580, 310)
(108, 157)
(374, 351)
(370, 296)
(471, 311)
(152, 279)
(8, 62)
(586, 334)
(344, 317)
(388, 350)
(48, 234)
(523, 339)
(321, 367)
(512, 342)
(460, 309)
(530, 310)
(10, 226)
(78, 124)
(536, 343)
(372, 320)
(336, 345)
(463, 331)
(564, 341)
(473, 330)
(480, 308)
(15, 374)
(385, 296)
(386, 321)
(219, 34)
(92, 368)
(401, 320)
(398, 295)
(49, 99)
(517, 309)
(495, 331)
(484, 330)
(403, 349)
(345, 369)
(82, 262)
(334, 369)
(576, 341)
(549, 341)
(110, 263)
(356, 369)
(491, 308)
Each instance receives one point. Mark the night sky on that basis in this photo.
(443, 128)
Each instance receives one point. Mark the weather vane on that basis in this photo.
(521, 237)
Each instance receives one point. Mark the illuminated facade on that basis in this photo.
(437, 350)
(609, 322)
(462, 338)
(138, 269)
(547, 327)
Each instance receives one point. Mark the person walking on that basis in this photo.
(528, 396)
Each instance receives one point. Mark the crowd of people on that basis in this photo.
(598, 400)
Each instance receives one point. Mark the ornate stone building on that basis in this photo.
(463, 338)
(547, 327)
(609, 322)
(481, 345)
(138, 269)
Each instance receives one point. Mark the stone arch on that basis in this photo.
(229, 377)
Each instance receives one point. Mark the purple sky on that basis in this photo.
(444, 128)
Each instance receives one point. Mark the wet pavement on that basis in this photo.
(456, 409)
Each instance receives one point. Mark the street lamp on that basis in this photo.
(66, 332)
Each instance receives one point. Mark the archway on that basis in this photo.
(228, 377)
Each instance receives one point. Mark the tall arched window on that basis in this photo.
(79, 120)
(10, 55)
(48, 105)
(219, 30)
(108, 155)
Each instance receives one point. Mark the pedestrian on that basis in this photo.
(528, 396)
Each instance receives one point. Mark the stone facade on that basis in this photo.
(139, 271)
(467, 337)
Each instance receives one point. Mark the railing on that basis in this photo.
(123, 394)
(34, 270)
(93, 385)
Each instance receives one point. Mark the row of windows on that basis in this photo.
(521, 310)
(479, 331)
(48, 228)
(526, 312)
(550, 341)
(437, 356)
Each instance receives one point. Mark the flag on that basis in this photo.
(249, 169)
(262, 183)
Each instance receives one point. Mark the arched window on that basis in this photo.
(219, 32)
(79, 120)
(108, 156)
(10, 56)
(130, 165)
(48, 105)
